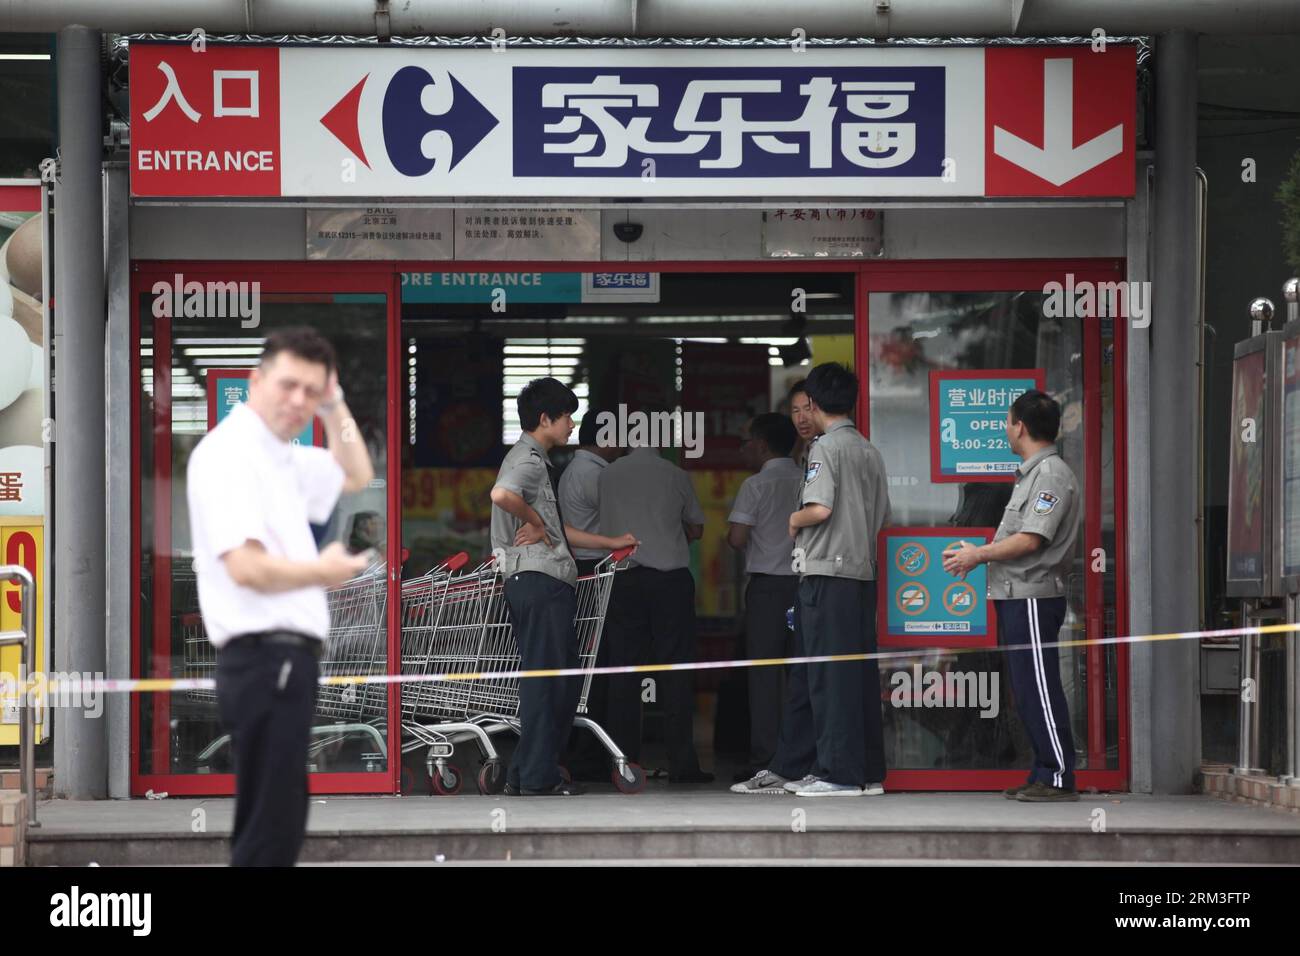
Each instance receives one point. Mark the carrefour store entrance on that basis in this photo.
(432, 376)
(673, 228)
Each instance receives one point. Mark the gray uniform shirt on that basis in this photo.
(764, 503)
(1045, 502)
(524, 472)
(580, 497)
(846, 473)
(650, 497)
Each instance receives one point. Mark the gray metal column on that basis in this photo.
(1140, 465)
(1175, 702)
(80, 752)
(118, 424)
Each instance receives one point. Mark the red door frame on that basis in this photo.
(308, 279)
(963, 275)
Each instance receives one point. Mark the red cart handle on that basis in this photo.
(622, 553)
(456, 561)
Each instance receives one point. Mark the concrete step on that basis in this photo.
(665, 827)
(736, 844)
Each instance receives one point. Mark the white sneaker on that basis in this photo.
(794, 786)
(765, 781)
(825, 788)
(873, 790)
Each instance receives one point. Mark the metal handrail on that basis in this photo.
(26, 641)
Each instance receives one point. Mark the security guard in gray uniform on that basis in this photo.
(533, 546)
(1028, 562)
(845, 503)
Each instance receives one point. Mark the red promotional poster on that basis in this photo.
(1245, 470)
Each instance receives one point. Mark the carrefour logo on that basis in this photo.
(408, 121)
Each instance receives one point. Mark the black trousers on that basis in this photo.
(796, 746)
(651, 620)
(542, 609)
(839, 617)
(767, 598)
(266, 695)
(1036, 684)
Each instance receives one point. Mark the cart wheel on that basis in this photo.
(447, 781)
(491, 777)
(631, 780)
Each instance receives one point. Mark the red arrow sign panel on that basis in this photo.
(1059, 121)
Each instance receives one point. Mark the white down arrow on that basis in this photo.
(1058, 160)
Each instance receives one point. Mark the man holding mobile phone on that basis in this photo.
(253, 494)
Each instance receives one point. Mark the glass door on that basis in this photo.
(983, 329)
(199, 333)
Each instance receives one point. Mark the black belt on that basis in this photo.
(290, 638)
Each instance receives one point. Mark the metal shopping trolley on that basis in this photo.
(459, 625)
(356, 646)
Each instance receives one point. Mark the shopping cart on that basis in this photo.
(356, 646)
(460, 625)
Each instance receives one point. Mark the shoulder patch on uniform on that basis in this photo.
(814, 467)
(1045, 502)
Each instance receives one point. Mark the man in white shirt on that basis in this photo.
(252, 494)
(758, 527)
(651, 616)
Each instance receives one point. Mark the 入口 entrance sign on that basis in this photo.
(247, 120)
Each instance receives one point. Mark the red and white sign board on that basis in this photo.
(232, 120)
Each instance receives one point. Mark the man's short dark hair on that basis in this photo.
(833, 387)
(798, 387)
(590, 426)
(304, 342)
(1039, 413)
(776, 431)
(547, 396)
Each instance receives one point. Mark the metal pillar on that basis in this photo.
(1175, 706)
(1248, 708)
(80, 754)
(117, 707)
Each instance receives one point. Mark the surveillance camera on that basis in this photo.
(628, 231)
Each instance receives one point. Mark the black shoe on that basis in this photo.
(561, 789)
(1042, 793)
(694, 776)
(511, 790)
(1012, 792)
